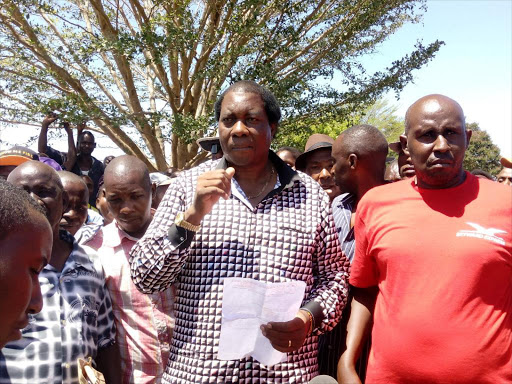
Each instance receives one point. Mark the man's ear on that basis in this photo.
(65, 201)
(273, 129)
(403, 143)
(153, 191)
(469, 133)
(352, 161)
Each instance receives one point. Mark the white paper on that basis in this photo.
(246, 305)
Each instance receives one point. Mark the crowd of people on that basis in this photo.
(110, 272)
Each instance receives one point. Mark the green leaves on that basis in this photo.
(155, 67)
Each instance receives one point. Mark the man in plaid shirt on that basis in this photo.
(144, 322)
(246, 215)
(76, 320)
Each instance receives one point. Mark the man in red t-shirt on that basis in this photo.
(433, 264)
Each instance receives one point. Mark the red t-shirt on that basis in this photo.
(443, 264)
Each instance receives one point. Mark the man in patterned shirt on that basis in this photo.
(246, 215)
(77, 319)
(144, 322)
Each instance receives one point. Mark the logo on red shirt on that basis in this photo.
(482, 233)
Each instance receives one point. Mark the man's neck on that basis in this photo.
(247, 175)
(364, 187)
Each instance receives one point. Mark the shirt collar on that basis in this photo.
(113, 235)
(287, 176)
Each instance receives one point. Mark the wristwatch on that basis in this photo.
(181, 222)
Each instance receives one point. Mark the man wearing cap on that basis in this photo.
(247, 215)
(212, 145)
(11, 158)
(405, 166)
(505, 175)
(433, 264)
(161, 183)
(316, 161)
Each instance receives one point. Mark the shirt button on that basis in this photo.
(66, 365)
(63, 322)
(182, 238)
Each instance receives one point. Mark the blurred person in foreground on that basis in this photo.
(144, 322)
(432, 264)
(230, 218)
(26, 247)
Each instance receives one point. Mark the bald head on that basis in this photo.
(364, 140)
(43, 183)
(431, 104)
(360, 158)
(126, 166)
(70, 178)
(34, 169)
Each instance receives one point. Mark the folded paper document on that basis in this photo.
(247, 304)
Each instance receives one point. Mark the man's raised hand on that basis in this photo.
(211, 186)
(50, 118)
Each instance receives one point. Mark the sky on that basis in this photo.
(474, 67)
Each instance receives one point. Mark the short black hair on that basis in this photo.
(294, 151)
(85, 133)
(270, 103)
(15, 208)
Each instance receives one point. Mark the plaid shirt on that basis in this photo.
(289, 235)
(75, 322)
(144, 322)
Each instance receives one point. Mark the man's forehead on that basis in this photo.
(34, 174)
(505, 172)
(235, 99)
(86, 138)
(431, 107)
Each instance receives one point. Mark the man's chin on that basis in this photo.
(439, 178)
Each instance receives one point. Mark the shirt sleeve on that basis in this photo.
(331, 271)
(364, 272)
(157, 259)
(54, 155)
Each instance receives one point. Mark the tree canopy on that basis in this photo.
(148, 72)
(482, 153)
(379, 114)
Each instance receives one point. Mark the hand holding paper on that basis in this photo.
(248, 304)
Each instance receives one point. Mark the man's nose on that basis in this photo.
(441, 144)
(36, 299)
(325, 173)
(239, 128)
(37, 198)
